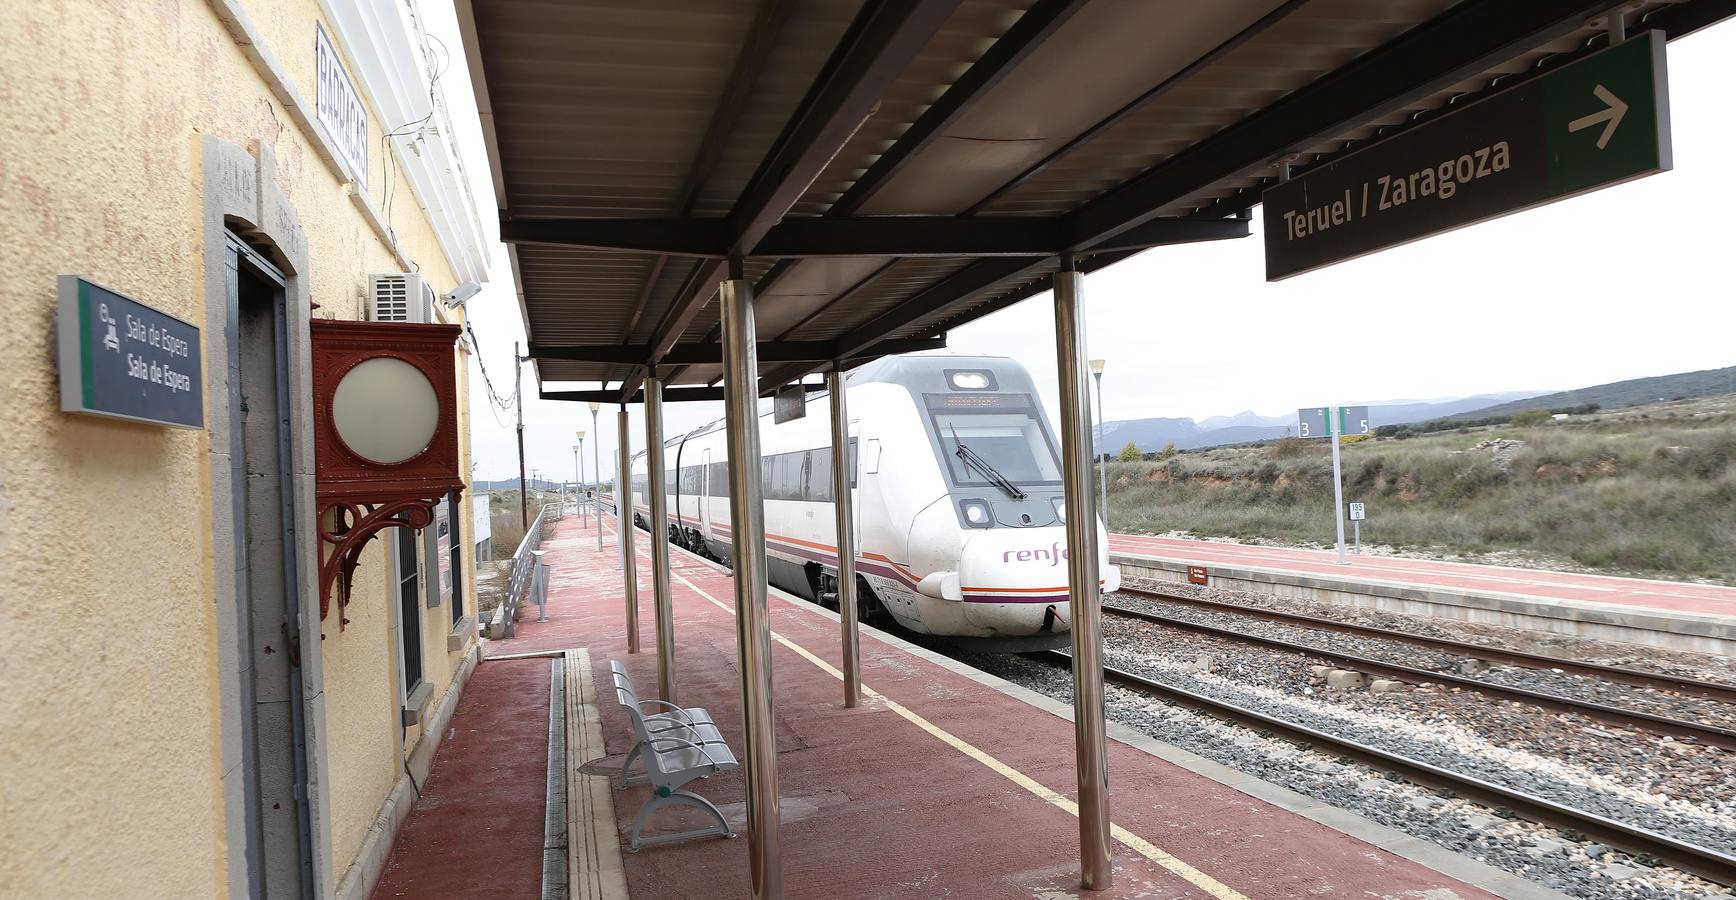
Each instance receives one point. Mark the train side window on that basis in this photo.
(720, 479)
(871, 462)
(820, 475)
(789, 472)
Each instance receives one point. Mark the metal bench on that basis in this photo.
(675, 747)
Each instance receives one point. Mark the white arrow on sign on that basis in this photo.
(1612, 113)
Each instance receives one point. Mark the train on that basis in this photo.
(960, 518)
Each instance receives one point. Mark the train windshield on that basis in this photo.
(1008, 444)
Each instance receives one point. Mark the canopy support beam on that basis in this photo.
(657, 494)
(748, 557)
(1086, 616)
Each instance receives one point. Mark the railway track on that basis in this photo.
(1708, 734)
(1708, 863)
(1710, 690)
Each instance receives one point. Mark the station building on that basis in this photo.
(178, 719)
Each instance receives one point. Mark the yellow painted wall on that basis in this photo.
(109, 721)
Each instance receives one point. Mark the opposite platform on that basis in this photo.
(1678, 615)
(946, 781)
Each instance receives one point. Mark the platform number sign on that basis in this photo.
(1328, 422)
(1358, 511)
(1311, 422)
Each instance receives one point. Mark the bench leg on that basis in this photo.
(678, 798)
(626, 764)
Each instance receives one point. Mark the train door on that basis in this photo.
(855, 463)
(705, 494)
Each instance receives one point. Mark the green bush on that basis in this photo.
(1530, 417)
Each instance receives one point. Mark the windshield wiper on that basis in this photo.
(993, 474)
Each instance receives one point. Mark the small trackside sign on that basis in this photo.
(1198, 575)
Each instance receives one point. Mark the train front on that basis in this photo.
(993, 552)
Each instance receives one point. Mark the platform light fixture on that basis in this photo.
(579, 472)
(597, 466)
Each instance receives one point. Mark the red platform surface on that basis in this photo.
(1669, 596)
(937, 786)
(476, 830)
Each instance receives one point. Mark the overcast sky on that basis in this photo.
(1625, 282)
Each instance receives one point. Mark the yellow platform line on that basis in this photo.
(1133, 841)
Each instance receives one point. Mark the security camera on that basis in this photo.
(460, 294)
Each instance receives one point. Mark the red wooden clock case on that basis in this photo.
(357, 497)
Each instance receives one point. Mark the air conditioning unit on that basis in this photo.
(400, 297)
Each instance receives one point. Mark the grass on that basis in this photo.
(1649, 490)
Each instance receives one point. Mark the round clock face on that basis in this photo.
(385, 410)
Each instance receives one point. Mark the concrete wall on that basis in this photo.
(109, 564)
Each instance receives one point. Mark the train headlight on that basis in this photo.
(970, 379)
(976, 513)
(1060, 504)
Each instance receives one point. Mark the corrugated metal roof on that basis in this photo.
(677, 109)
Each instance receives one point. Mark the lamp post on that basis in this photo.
(1102, 464)
(579, 476)
(597, 460)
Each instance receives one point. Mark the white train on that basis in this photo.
(958, 501)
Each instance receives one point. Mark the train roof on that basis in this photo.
(918, 372)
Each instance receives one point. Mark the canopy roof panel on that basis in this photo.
(887, 169)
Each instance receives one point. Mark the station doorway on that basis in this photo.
(268, 616)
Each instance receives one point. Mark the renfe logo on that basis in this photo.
(1054, 555)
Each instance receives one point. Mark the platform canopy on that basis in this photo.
(885, 170)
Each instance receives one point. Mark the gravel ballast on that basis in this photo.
(1600, 774)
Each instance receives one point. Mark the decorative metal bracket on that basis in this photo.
(352, 526)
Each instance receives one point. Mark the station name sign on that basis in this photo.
(339, 107)
(125, 360)
(1593, 123)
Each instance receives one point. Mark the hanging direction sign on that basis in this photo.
(123, 359)
(1588, 125)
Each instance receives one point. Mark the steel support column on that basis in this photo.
(657, 499)
(1095, 865)
(752, 625)
(843, 506)
(624, 531)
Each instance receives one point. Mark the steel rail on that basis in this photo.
(1705, 862)
(1709, 734)
(1711, 690)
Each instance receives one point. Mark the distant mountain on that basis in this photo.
(1150, 434)
(1243, 419)
(1619, 394)
(1246, 427)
